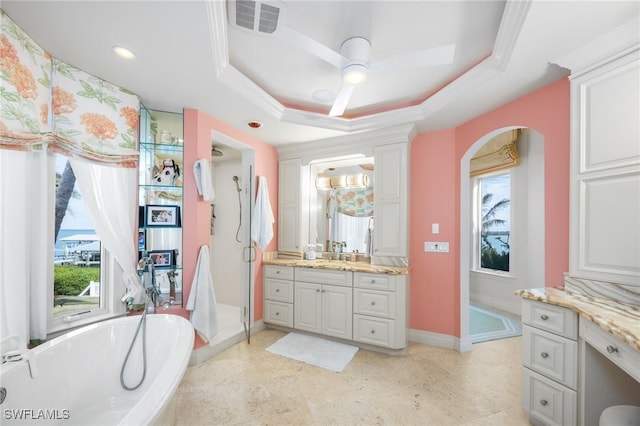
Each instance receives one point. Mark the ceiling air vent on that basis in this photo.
(256, 16)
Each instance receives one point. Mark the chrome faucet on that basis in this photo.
(147, 271)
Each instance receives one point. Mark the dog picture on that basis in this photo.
(169, 173)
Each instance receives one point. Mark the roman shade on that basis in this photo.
(498, 153)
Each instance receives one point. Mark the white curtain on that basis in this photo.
(25, 243)
(352, 230)
(110, 197)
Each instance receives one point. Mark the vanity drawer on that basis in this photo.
(278, 313)
(546, 401)
(278, 290)
(373, 302)
(614, 349)
(282, 272)
(375, 331)
(323, 276)
(552, 318)
(554, 356)
(374, 281)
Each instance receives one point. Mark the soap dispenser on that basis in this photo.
(311, 252)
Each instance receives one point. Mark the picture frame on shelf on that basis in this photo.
(163, 258)
(162, 215)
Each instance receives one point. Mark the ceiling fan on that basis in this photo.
(269, 18)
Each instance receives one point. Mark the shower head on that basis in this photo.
(216, 152)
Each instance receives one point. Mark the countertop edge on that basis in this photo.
(615, 318)
(340, 265)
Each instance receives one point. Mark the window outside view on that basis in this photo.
(77, 248)
(495, 219)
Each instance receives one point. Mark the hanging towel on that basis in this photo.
(202, 299)
(262, 220)
(202, 175)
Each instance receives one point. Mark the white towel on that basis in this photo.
(202, 175)
(262, 220)
(202, 299)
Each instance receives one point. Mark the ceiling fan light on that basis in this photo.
(354, 74)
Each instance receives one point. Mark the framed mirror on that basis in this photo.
(341, 195)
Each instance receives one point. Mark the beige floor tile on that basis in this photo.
(246, 385)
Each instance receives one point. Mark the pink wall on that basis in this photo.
(435, 198)
(196, 226)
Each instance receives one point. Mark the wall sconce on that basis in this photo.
(358, 181)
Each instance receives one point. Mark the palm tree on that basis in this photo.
(64, 192)
(490, 258)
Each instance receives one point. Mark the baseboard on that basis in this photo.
(500, 304)
(440, 340)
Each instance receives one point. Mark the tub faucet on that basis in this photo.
(147, 270)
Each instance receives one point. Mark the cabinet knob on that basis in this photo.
(373, 332)
(277, 313)
(322, 291)
(277, 290)
(544, 355)
(373, 303)
(543, 402)
(373, 281)
(544, 317)
(612, 349)
(317, 290)
(277, 272)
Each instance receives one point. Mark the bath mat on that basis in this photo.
(485, 325)
(312, 350)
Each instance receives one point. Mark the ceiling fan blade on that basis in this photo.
(306, 43)
(342, 100)
(442, 55)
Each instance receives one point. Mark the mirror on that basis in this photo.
(341, 204)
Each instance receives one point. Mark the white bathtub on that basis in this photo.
(77, 375)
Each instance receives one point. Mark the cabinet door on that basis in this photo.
(307, 307)
(289, 205)
(390, 204)
(337, 311)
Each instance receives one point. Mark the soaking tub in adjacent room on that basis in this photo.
(74, 379)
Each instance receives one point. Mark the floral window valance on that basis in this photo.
(357, 202)
(45, 100)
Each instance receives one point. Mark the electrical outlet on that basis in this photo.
(436, 246)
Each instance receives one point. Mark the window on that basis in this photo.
(79, 272)
(493, 222)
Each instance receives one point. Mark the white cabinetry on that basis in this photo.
(278, 295)
(605, 172)
(390, 203)
(289, 205)
(323, 302)
(550, 363)
(380, 311)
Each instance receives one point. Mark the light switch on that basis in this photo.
(436, 246)
(435, 228)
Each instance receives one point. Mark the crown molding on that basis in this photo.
(350, 144)
(612, 45)
(513, 18)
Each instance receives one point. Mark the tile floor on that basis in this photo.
(246, 385)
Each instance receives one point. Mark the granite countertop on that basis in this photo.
(616, 318)
(339, 265)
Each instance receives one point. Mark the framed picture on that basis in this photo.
(142, 239)
(161, 215)
(163, 258)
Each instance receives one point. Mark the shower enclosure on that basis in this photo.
(231, 266)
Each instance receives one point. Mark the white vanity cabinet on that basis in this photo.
(390, 203)
(550, 363)
(379, 310)
(323, 302)
(278, 295)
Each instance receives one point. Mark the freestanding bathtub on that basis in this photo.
(74, 379)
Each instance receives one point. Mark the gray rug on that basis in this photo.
(312, 350)
(485, 325)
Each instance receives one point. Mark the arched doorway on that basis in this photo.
(528, 218)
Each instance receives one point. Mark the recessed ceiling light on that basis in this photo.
(254, 124)
(323, 96)
(123, 52)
